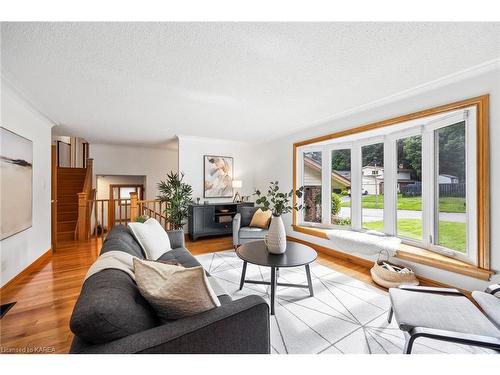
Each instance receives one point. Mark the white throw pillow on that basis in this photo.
(152, 238)
(174, 291)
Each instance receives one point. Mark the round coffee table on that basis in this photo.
(296, 255)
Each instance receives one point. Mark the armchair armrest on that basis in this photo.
(236, 229)
(176, 238)
(493, 289)
(429, 289)
(456, 337)
(241, 326)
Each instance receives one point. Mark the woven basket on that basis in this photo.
(390, 279)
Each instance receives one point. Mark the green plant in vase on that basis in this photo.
(278, 203)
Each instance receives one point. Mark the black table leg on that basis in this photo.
(273, 288)
(309, 281)
(242, 281)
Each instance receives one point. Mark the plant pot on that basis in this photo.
(276, 237)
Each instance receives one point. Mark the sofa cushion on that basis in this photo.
(440, 311)
(182, 255)
(490, 304)
(110, 307)
(120, 239)
(250, 232)
(247, 214)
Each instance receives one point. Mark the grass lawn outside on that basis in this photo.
(449, 204)
(451, 234)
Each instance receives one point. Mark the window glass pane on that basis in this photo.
(341, 187)
(312, 187)
(451, 228)
(125, 192)
(409, 188)
(372, 187)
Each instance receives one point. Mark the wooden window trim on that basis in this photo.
(424, 256)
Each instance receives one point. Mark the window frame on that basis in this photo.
(477, 201)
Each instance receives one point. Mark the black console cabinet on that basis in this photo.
(213, 219)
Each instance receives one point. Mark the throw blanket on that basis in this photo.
(367, 243)
(119, 260)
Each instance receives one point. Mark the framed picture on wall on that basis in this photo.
(16, 187)
(218, 176)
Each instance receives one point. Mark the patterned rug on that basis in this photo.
(344, 316)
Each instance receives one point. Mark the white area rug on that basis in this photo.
(344, 316)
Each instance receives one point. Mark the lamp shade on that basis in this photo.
(237, 184)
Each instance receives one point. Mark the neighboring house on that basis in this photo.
(447, 179)
(312, 176)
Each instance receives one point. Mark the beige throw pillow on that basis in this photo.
(261, 219)
(174, 292)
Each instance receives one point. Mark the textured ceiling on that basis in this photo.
(143, 83)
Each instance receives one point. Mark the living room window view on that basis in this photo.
(426, 165)
(250, 188)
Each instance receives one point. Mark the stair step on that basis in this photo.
(71, 170)
(67, 216)
(65, 226)
(66, 236)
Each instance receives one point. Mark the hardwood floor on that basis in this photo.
(39, 321)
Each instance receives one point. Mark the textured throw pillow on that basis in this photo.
(152, 238)
(174, 292)
(261, 219)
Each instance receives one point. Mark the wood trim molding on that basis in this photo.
(483, 201)
(38, 263)
(416, 255)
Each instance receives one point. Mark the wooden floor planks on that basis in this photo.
(46, 296)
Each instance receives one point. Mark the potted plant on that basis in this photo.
(279, 204)
(178, 196)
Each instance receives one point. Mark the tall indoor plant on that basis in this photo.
(178, 196)
(279, 204)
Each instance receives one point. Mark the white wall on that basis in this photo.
(154, 163)
(192, 150)
(274, 160)
(20, 250)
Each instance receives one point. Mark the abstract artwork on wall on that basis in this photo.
(218, 176)
(16, 187)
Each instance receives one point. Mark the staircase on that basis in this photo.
(70, 182)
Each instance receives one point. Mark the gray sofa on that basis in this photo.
(242, 232)
(111, 316)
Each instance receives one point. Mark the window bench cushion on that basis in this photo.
(367, 243)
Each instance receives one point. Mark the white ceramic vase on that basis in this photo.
(276, 237)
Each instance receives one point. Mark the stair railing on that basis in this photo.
(85, 204)
(106, 213)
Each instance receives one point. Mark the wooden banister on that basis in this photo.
(134, 208)
(82, 230)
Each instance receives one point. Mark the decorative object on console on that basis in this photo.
(178, 196)
(279, 204)
(237, 184)
(218, 176)
(16, 158)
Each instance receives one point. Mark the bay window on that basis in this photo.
(415, 179)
